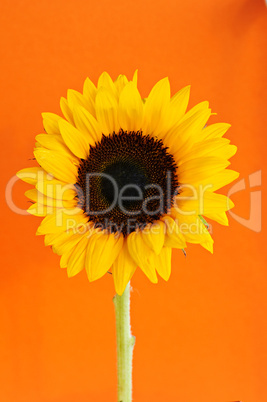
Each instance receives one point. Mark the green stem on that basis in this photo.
(125, 345)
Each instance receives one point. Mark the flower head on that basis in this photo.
(122, 180)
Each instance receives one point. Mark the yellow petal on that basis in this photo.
(107, 111)
(54, 143)
(50, 123)
(46, 205)
(179, 103)
(157, 103)
(130, 108)
(32, 194)
(193, 230)
(84, 121)
(200, 107)
(142, 255)
(56, 189)
(89, 89)
(102, 251)
(218, 180)
(135, 77)
(215, 147)
(57, 164)
(186, 133)
(76, 98)
(66, 110)
(196, 170)
(174, 237)
(56, 238)
(123, 269)
(216, 130)
(105, 81)
(39, 210)
(65, 258)
(61, 221)
(154, 235)
(77, 141)
(120, 83)
(163, 263)
(72, 238)
(219, 217)
(76, 261)
(32, 174)
(206, 203)
(208, 246)
(50, 206)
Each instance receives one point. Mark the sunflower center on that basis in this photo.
(130, 180)
(127, 181)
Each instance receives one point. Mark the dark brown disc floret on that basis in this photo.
(127, 181)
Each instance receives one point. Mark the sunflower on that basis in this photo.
(122, 180)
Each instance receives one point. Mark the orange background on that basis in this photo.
(202, 335)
